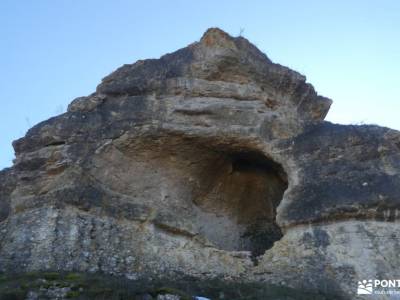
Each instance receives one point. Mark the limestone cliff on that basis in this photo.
(211, 161)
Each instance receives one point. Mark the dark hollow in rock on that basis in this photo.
(227, 193)
(243, 192)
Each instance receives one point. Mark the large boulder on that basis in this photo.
(211, 161)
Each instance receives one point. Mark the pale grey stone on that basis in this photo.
(211, 162)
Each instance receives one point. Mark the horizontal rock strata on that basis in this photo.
(211, 161)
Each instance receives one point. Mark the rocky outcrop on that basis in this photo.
(210, 162)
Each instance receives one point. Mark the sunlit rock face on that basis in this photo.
(211, 161)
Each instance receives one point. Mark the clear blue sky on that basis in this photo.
(52, 51)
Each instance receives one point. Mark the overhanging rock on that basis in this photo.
(211, 161)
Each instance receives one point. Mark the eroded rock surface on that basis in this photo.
(211, 162)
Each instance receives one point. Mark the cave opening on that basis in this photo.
(239, 201)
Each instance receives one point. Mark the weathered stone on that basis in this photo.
(86, 103)
(168, 297)
(211, 162)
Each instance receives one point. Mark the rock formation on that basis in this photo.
(211, 162)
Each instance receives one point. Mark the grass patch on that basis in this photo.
(51, 276)
(73, 294)
(171, 291)
(84, 286)
(74, 277)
